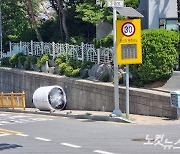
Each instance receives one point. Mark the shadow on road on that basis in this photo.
(5, 146)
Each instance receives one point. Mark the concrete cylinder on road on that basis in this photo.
(49, 98)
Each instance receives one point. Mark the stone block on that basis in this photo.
(154, 111)
(170, 114)
(142, 109)
(133, 108)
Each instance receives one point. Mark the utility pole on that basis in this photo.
(1, 33)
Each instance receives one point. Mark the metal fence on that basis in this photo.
(79, 52)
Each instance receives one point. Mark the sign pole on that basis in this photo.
(116, 111)
(127, 91)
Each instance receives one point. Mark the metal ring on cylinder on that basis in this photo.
(49, 98)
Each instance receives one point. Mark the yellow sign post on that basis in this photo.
(128, 41)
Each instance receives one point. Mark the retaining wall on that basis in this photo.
(87, 95)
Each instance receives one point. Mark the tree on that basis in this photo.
(59, 6)
(32, 18)
(15, 24)
(92, 13)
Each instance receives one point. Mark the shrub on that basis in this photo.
(5, 61)
(75, 73)
(58, 61)
(86, 64)
(159, 56)
(21, 59)
(74, 63)
(68, 71)
(104, 42)
(63, 57)
(42, 60)
(62, 68)
(14, 60)
(30, 60)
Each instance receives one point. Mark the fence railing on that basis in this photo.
(79, 52)
(12, 100)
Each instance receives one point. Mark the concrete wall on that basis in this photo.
(103, 29)
(161, 9)
(87, 95)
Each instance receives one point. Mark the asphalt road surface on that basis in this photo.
(35, 134)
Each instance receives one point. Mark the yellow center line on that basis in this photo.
(10, 131)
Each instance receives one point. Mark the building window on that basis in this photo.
(169, 24)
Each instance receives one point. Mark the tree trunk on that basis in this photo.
(53, 3)
(60, 8)
(32, 18)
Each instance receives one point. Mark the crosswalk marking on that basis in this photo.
(7, 119)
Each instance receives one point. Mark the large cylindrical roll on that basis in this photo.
(49, 98)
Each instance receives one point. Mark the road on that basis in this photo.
(34, 134)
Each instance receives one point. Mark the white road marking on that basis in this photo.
(24, 135)
(102, 152)
(4, 135)
(4, 122)
(42, 139)
(70, 145)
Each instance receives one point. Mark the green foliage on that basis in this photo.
(90, 12)
(42, 60)
(132, 3)
(104, 42)
(21, 59)
(86, 64)
(62, 68)
(58, 61)
(74, 63)
(5, 61)
(159, 56)
(63, 57)
(76, 40)
(16, 25)
(30, 60)
(68, 71)
(75, 73)
(17, 58)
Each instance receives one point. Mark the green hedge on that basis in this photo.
(159, 56)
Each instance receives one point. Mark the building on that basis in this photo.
(159, 14)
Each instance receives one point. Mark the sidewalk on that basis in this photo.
(99, 116)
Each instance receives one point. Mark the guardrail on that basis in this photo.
(12, 100)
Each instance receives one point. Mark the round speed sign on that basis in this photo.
(128, 29)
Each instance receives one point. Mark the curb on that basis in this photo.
(74, 116)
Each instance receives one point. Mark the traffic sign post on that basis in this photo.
(128, 48)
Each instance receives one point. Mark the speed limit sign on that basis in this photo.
(128, 29)
(128, 41)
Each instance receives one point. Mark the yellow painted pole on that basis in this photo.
(23, 100)
(12, 100)
(2, 99)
